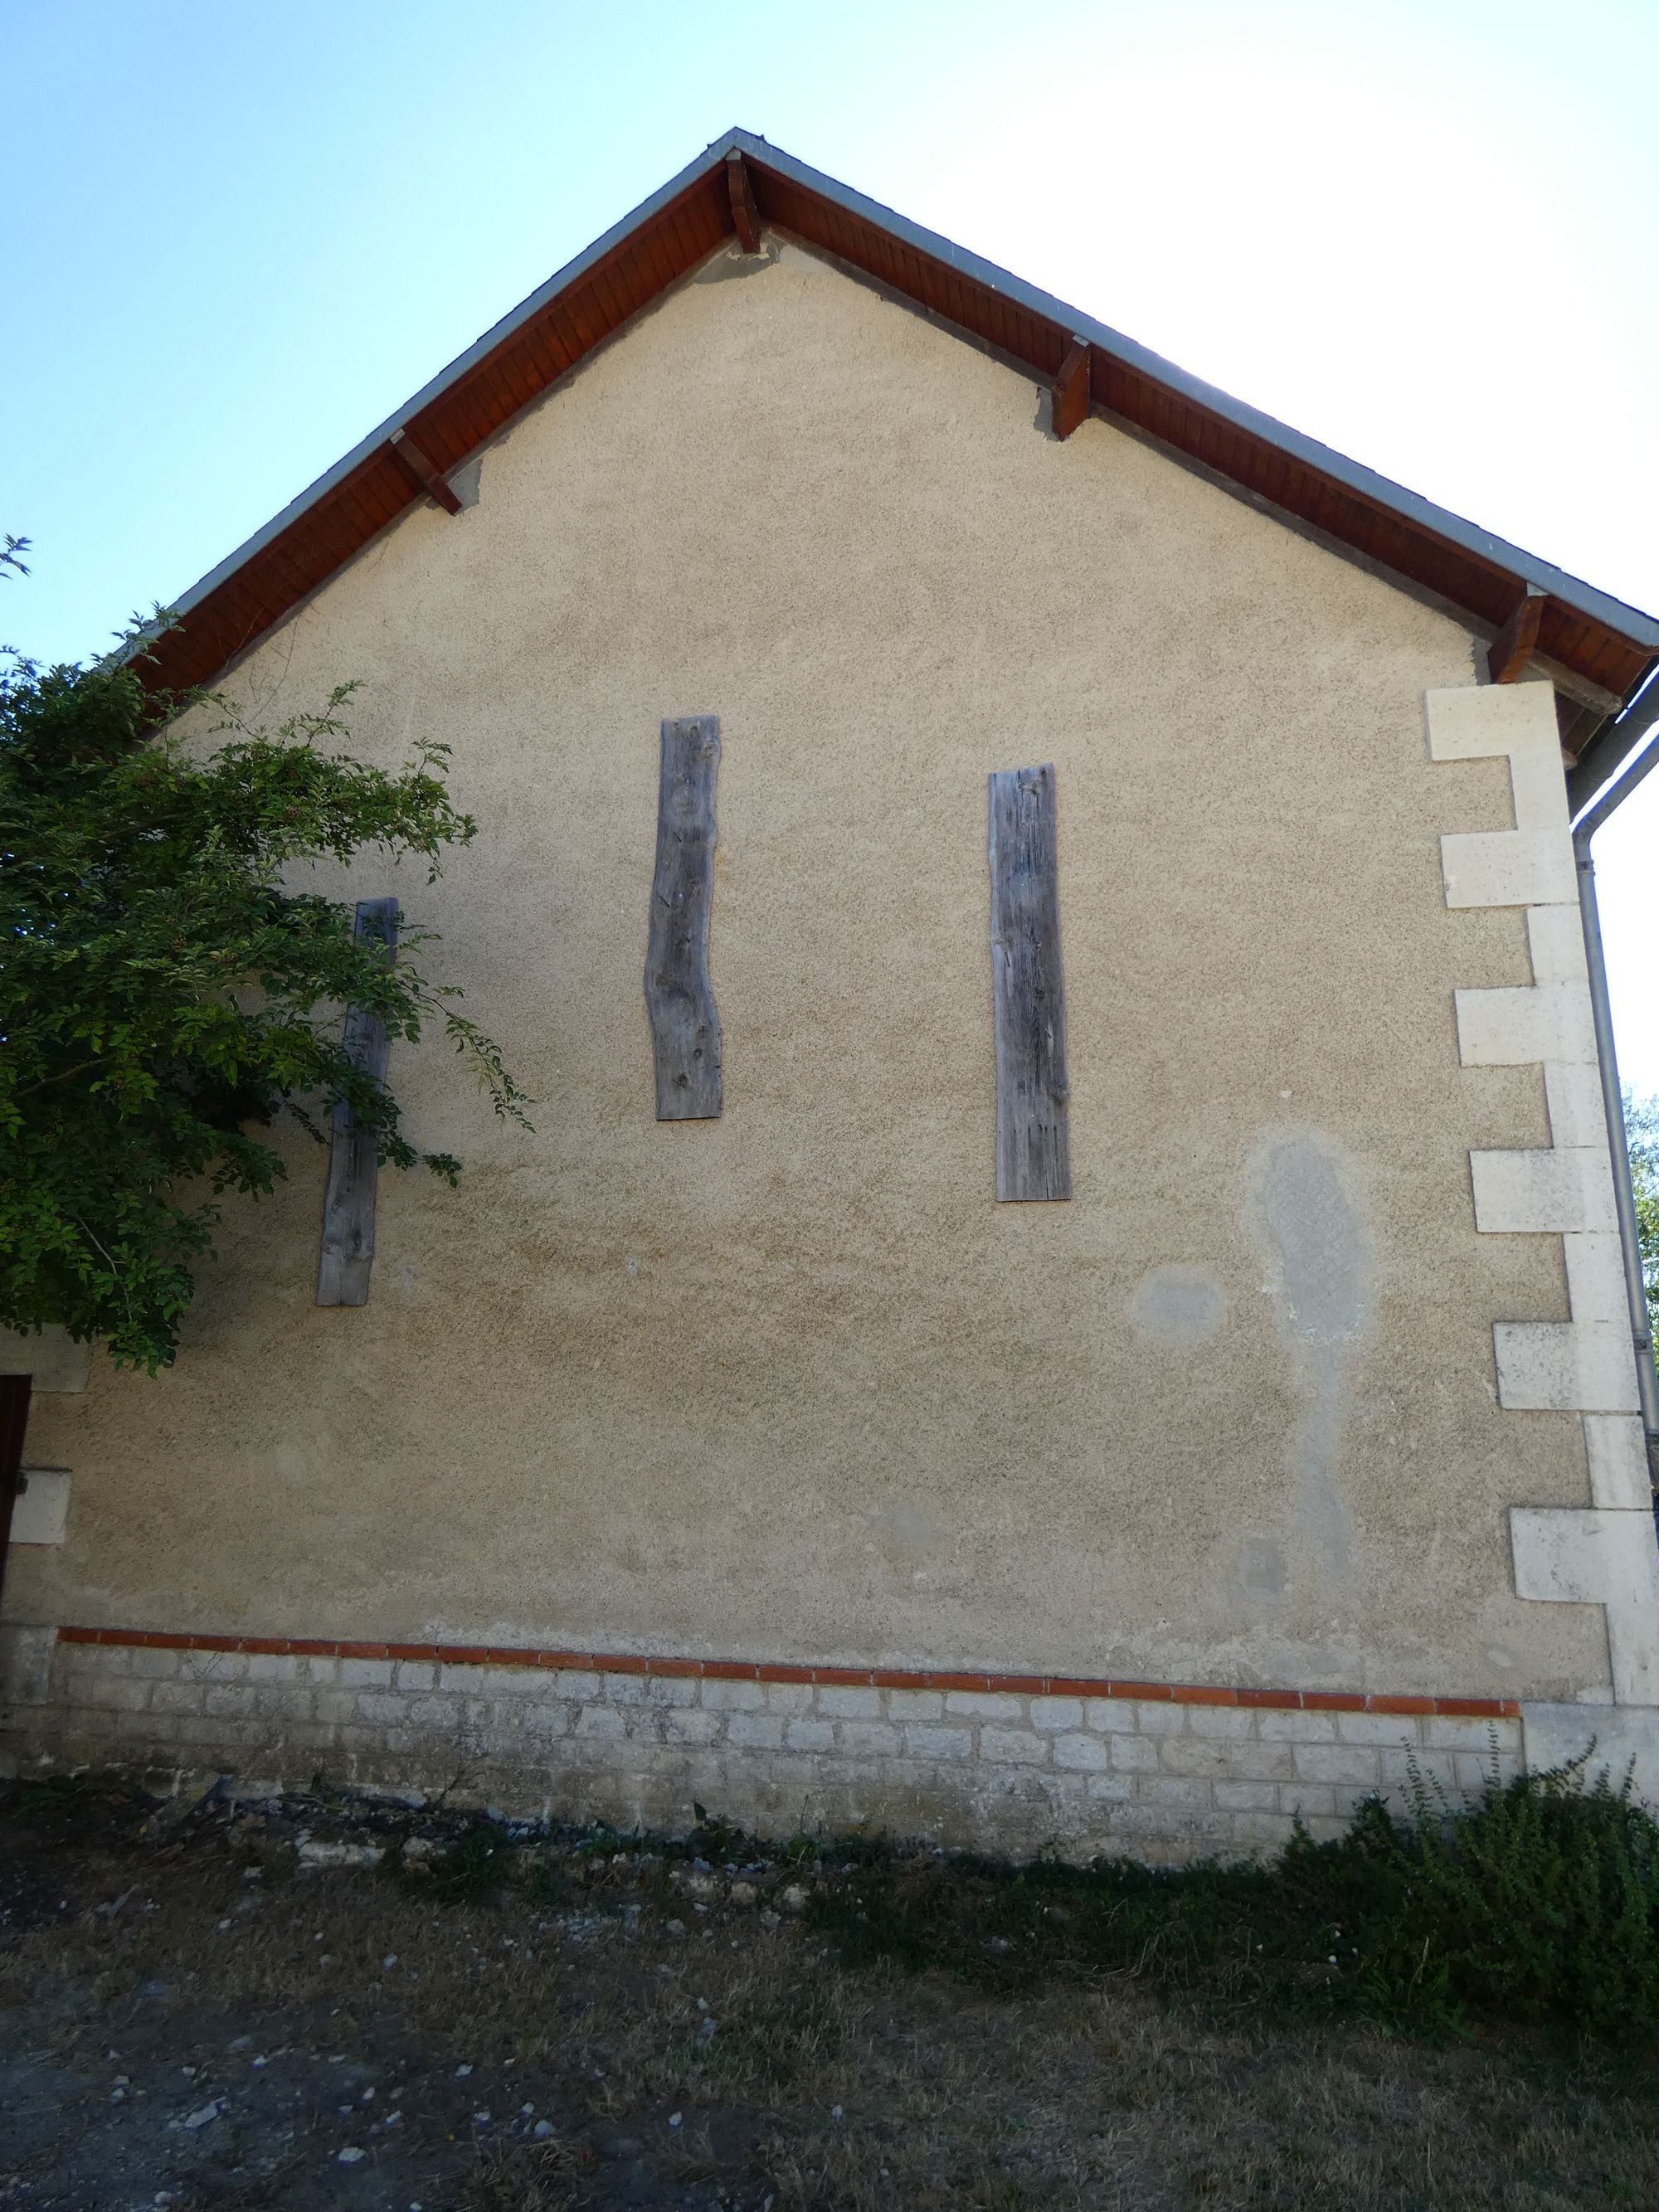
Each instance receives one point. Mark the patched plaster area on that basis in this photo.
(1178, 1309)
(1605, 1554)
(1321, 1256)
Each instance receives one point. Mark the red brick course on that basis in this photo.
(749, 1670)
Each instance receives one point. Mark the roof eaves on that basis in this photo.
(513, 321)
(1641, 628)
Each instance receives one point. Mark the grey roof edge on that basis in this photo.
(1633, 623)
(1641, 627)
(514, 319)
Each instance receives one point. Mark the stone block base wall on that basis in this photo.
(1014, 1763)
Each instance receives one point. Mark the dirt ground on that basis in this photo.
(203, 2006)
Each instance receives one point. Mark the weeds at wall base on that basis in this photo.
(1536, 1904)
(675, 2026)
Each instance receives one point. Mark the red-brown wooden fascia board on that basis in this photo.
(664, 239)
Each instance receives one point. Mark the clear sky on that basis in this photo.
(237, 233)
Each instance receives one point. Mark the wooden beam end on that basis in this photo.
(1070, 390)
(746, 211)
(423, 472)
(1515, 644)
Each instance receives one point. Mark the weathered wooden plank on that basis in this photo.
(685, 1028)
(1033, 1153)
(347, 1250)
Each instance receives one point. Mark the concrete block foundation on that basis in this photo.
(1088, 1768)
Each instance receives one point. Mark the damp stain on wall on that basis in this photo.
(1178, 1309)
(908, 1537)
(1307, 1215)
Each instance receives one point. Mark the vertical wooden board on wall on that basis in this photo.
(1034, 1153)
(347, 1250)
(679, 999)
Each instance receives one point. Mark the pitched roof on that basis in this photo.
(1603, 647)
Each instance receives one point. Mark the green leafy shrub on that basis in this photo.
(1540, 1901)
(472, 1868)
(174, 982)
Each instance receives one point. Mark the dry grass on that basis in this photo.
(815, 2090)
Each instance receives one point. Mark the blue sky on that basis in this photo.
(237, 233)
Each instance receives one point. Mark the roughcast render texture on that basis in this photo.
(791, 1384)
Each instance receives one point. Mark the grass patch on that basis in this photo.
(679, 2033)
(525, 2178)
(69, 1797)
(472, 1867)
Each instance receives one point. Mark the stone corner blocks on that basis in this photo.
(1474, 721)
(1598, 1556)
(1587, 1363)
(1618, 1738)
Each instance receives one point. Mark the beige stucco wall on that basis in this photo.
(793, 1384)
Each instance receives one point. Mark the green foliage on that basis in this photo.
(165, 995)
(1642, 1135)
(53, 1793)
(73, 1799)
(472, 1868)
(1538, 1902)
(1006, 1926)
(714, 1838)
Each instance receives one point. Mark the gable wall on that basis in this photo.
(792, 1384)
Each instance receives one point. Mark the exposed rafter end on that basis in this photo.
(1595, 649)
(1515, 644)
(425, 475)
(1070, 390)
(745, 214)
